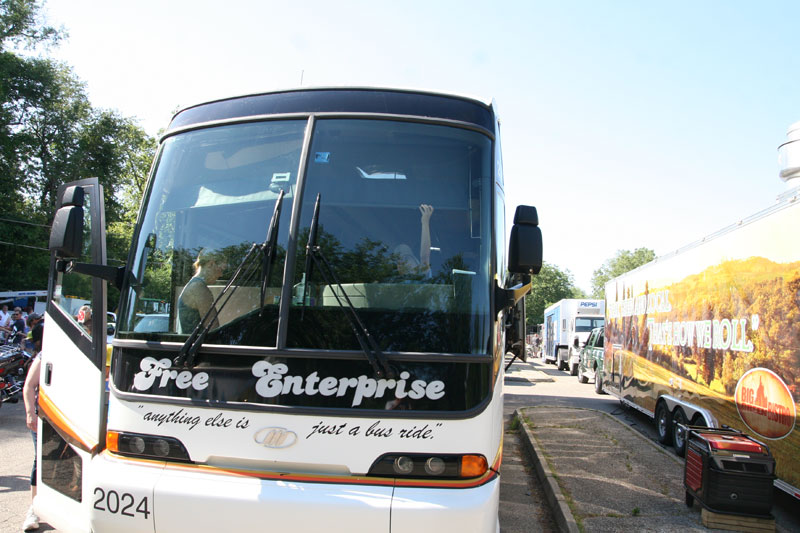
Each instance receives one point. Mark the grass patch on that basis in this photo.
(514, 424)
(636, 511)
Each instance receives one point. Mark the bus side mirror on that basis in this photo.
(66, 235)
(525, 246)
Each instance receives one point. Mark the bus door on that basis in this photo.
(72, 386)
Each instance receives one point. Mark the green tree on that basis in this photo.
(50, 134)
(20, 25)
(624, 261)
(549, 286)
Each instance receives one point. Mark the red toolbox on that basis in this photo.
(728, 472)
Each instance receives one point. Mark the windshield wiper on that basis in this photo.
(376, 358)
(268, 249)
(188, 351)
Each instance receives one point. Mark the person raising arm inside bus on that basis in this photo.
(196, 299)
(407, 264)
(84, 318)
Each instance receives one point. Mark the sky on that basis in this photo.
(626, 123)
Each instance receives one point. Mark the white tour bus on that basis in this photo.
(340, 300)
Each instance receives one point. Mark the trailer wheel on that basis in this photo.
(679, 432)
(699, 421)
(581, 377)
(662, 420)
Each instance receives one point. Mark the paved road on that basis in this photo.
(16, 457)
(536, 383)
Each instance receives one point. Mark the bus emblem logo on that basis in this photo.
(275, 437)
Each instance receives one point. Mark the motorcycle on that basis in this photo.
(14, 364)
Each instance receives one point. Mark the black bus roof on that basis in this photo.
(339, 100)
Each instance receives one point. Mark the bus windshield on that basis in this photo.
(403, 225)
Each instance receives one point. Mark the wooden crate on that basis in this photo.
(732, 522)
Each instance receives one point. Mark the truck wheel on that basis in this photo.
(662, 420)
(562, 365)
(598, 382)
(573, 370)
(679, 432)
(581, 377)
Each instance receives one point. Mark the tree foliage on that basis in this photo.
(549, 286)
(50, 134)
(624, 261)
(20, 25)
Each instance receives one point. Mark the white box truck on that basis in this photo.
(709, 335)
(567, 324)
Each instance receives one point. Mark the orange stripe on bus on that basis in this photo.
(61, 422)
(490, 474)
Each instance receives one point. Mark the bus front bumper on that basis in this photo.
(137, 496)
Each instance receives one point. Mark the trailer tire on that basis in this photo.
(699, 421)
(663, 423)
(598, 382)
(581, 377)
(678, 433)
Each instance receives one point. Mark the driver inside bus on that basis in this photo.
(196, 299)
(407, 264)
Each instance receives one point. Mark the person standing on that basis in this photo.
(30, 393)
(16, 329)
(5, 316)
(35, 321)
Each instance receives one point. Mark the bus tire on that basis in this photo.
(679, 433)
(662, 421)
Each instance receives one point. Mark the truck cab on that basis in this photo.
(584, 326)
(590, 364)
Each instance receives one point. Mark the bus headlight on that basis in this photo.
(435, 466)
(419, 465)
(403, 465)
(148, 446)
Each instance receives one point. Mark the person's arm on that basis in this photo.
(29, 393)
(425, 236)
(202, 300)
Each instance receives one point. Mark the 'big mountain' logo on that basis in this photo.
(765, 403)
